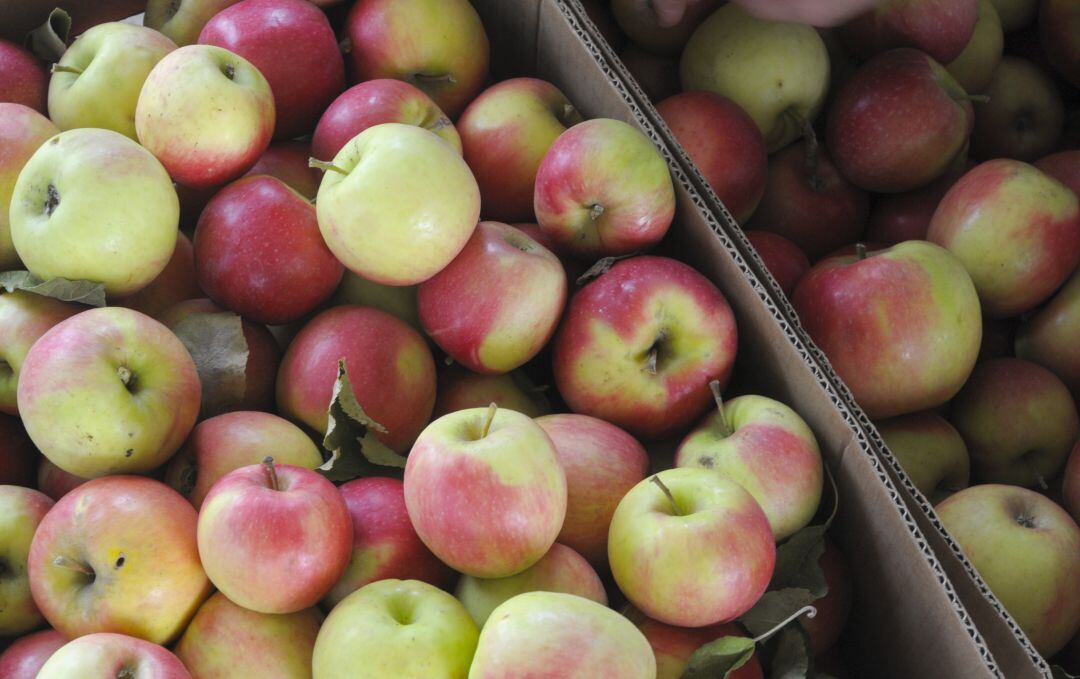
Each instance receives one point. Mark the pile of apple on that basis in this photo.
(251, 464)
(923, 156)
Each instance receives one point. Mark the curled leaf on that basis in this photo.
(216, 343)
(354, 449)
(775, 607)
(719, 658)
(49, 40)
(82, 292)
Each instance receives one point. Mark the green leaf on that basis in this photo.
(1059, 672)
(774, 608)
(718, 658)
(83, 292)
(791, 657)
(49, 40)
(354, 449)
(797, 562)
(217, 345)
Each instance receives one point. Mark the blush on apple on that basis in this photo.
(22, 78)
(782, 258)
(288, 161)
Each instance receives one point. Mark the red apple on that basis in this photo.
(673, 646)
(24, 318)
(460, 388)
(898, 123)
(25, 656)
(783, 259)
(384, 544)
(639, 345)
(118, 554)
(809, 202)
(105, 655)
(897, 217)
(173, 285)
(505, 133)
(288, 161)
(259, 252)
(1063, 166)
(438, 45)
(18, 457)
(901, 326)
(54, 481)
(488, 333)
(274, 538)
(22, 78)
(602, 463)
(1059, 34)
(375, 102)
(725, 144)
(941, 28)
(657, 75)
(834, 608)
(388, 363)
(294, 47)
(1024, 117)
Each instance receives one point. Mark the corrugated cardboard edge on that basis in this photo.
(945, 547)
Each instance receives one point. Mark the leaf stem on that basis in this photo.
(808, 611)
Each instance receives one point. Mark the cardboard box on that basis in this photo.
(907, 619)
(1010, 647)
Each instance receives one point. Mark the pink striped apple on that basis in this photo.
(590, 209)
(25, 656)
(105, 655)
(21, 511)
(639, 345)
(24, 318)
(22, 131)
(485, 491)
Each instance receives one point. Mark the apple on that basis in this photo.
(809, 202)
(833, 609)
(22, 131)
(258, 251)
(385, 545)
(888, 142)
(940, 28)
(1027, 550)
(603, 189)
(765, 447)
(274, 538)
(778, 72)
(494, 336)
(1070, 489)
(105, 655)
(288, 161)
(560, 570)
(92, 204)
(575, 268)
(930, 450)
(782, 258)
(460, 388)
(206, 113)
(182, 20)
(398, 301)
(673, 646)
(394, 629)
(118, 554)
(225, 641)
(505, 133)
(293, 45)
(975, 66)
(1059, 36)
(1015, 14)
(725, 145)
(108, 391)
(555, 634)
(97, 81)
(657, 76)
(372, 103)
(485, 491)
(406, 234)
(388, 363)
(54, 481)
(657, 29)
(437, 45)
(260, 373)
(897, 217)
(1024, 117)
(1018, 420)
(220, 444)
(1049, 336)
(691, 548)
(176, 283)
(25, 656)
(1063, 166)
(24, 318)
(18, 457)
(900, 326)
(22, 79)
(1016, 230)
(21, 510)
(639, 345)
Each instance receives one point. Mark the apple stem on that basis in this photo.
(860, 251)
(488, 419)
(808, 611)
(268, 462)
(325, 166)
(72, 565)
(124, 373)
(725, 426)
(812, 155)
(595, 210)
(439, 124)
(667, 491)
(426, 79)
(978, 98)
(60, 68)
(345, 46)
(568, 111)
(650, 361)
(1042, 482)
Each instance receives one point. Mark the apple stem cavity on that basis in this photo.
(489, 417)
(229, 70)
(52, 200)
(268, 462)
(595, 211)
(725, 426)
(126, 376)
(73, 565)
(667, 491)
(60, 68)
(325, 166)
(808, 611)
(860, 251)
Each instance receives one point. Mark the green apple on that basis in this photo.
(97, 81)
(1027, 549)
(22, 131)
(182, 20)
(397, 204)
(560, 570)
(931, 452)
(1050, 336)
(551, 634)
(21, 510)
(777, 71)
(92, 204)
(975, 66)
(397, 629)
(765, 447)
